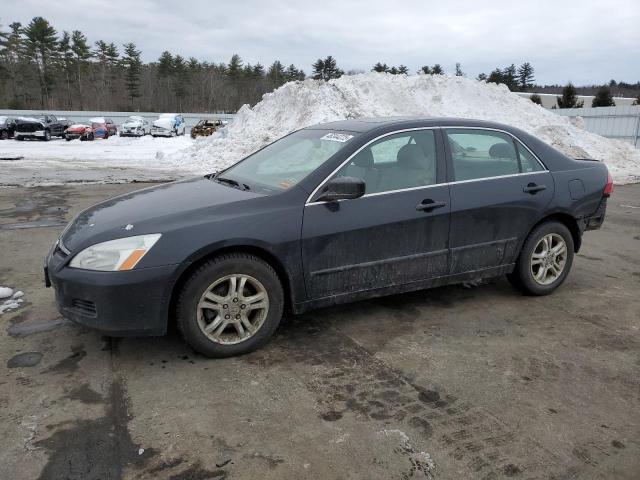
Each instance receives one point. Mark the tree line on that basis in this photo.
(41, 68)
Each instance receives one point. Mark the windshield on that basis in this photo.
(284, 163)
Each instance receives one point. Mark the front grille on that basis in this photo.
(84, 307)
(28, 127)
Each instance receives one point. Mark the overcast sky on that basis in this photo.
(586, 41)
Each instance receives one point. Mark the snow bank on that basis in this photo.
(300, 104)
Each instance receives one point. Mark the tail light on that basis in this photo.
(608, 188)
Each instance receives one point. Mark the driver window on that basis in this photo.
(395, 162)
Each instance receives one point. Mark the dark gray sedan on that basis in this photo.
(329, 214)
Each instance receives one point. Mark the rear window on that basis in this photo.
(487, 153)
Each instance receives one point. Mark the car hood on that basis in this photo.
(28, 120)
(77, 128)
(164, 123)
(152, 210)
(132, 123)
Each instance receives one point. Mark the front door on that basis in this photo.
(498, 192)
(397, 233)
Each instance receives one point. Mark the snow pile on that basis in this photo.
(299, 104)
(10, 299)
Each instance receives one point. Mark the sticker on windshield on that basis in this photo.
(337, 137)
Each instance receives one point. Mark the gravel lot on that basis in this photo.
(451, 383)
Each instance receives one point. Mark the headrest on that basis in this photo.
(364, 159)
(502, 150)
(411, 156)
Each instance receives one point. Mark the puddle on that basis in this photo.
(24, 329)
(26, 359)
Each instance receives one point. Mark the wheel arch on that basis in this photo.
(568, 221)
(257, 251)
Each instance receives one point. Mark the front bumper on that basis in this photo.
(131, 303)
(161, 132)
(131, 133)
(35, 134)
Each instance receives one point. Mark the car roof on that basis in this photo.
(363, 125)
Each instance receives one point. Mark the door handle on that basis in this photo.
(532, 188)
(427, 205)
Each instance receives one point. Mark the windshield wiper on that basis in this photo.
(230, 181)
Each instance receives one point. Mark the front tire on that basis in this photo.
(545, 259)
(4, 135)
(47, 136)
(231, 305)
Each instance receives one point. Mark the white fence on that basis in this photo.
(621, 123)
(118, 117)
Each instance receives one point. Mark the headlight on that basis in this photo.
(120, 254)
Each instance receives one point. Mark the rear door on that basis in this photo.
(498, 191)
(397, 233)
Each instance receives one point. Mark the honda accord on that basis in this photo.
(328, 214)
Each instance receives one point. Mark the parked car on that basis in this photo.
(103, 127)
(135, 126)
(43, 127)
(7, 127)
(82, 131)
(206, 127)
(168, 125)
(329, 214)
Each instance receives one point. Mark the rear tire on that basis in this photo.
(4, 135)
(545, 259)
(239, 315)
(47, 136)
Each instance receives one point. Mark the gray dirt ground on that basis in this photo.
(483, 382)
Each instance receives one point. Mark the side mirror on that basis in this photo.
(341, 188)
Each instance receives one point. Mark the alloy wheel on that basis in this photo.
(232, 309)
(548, 259)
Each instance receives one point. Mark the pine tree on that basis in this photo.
(569, 98)
(459, 72)
(525, 76)
(66, 64)
(603, 98)
(510, 77)
(165, 75)
(293, 73)
(437, 69)
(403, 70)
(482, 77)
(326, 69)
(12, 55)
(113, 65)
(496, 76)
(258, 70)
(276, 74)
(234, 70)
(380, 67)
(393, 71)
(535, 98)
(132, 66)
(426, 69)
(180, 80)
(40, 46)
(82, 54)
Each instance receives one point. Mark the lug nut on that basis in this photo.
(235, 300)
(238, 316)
(225, 306)
(227, 316)
(243, 306)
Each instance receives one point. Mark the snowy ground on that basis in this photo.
(297, 105)
(117, 159)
